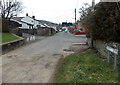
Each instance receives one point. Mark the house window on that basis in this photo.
(20, 25)
(29, 27)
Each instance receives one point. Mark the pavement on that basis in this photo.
(36, 62)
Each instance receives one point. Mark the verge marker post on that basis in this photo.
(115, 62)
(108, 57)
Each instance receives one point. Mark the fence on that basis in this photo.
(109, 51)
(114, 51)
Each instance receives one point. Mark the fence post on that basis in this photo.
(118, 49)
(116, 57)
(108, 57)
(118, 61)
(115, 62)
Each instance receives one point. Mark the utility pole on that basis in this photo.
(75, 18)
(91, 31)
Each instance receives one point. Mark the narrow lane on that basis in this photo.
(35, 63)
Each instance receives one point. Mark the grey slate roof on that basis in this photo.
(17, 18)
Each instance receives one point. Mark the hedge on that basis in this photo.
(104, 21)
(5, 25)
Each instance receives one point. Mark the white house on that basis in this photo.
(27, 22)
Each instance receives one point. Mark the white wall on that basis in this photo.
(24, 26)
(36, 23)
(31, 21)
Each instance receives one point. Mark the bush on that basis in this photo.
(5, 25)
(104, 21)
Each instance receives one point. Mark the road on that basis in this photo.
(35, 63)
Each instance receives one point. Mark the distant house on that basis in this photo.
(65, 24)
(45, 29)
(33, 26)
(27, 23)
(78, 27)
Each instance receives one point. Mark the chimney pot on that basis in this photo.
(26, 14)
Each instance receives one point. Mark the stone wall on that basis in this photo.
(6, 47)
(16, 31)
(45, 31)
(100, 46)
(29, 31)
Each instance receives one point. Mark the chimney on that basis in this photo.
(26, 14)
(33, 17)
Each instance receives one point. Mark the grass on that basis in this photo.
(7, 37)
(85, 68)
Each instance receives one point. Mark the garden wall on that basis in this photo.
(45, 31)
(5, 47)
(100, 46)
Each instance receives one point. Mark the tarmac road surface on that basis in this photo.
(35, 63)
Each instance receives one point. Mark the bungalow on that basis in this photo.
(45, 29)
(27, 24)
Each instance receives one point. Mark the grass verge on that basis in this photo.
(85, 68)
(7, 37)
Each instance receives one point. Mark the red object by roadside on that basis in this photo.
(78, 32)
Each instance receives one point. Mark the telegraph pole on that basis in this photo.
(75, 18)
(91, 33)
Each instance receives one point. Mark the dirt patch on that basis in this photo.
(77, 48)
(56, 69)
(11, 56)
(37, 58)
(49, 65)
(56, 54)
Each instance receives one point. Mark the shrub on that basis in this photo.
(104, 21)
(5, 25)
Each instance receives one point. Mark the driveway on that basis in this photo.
(35, 63)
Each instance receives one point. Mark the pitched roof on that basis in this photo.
(25, 22)
(20, 20)
(17, 18)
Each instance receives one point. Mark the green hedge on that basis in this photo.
(5, 25)
(105, 22)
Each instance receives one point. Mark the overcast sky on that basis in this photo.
(56, 11)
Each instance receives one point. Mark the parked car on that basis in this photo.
(78, 32)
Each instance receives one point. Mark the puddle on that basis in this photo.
(56, 55)
(79, 44)
(67, 50)
(49, 65)
(11, 56)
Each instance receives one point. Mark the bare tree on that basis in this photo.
(10, 8)
(84, 10)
